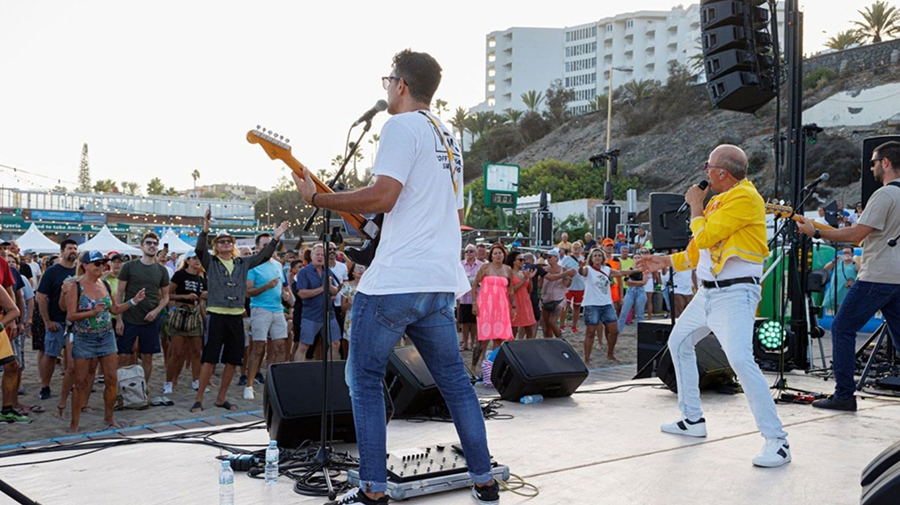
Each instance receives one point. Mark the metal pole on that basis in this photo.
(609, 123)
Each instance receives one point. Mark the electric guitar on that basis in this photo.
(783, 211)
(278, 148)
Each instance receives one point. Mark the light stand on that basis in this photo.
(324, 459)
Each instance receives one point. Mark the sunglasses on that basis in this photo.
(227, 242)
(386, 81)
(472, 251)
(706, 166)
(875, 160)
(98, 263)
(151, 243)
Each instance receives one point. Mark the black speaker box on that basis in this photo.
(548, 367)
(739, 92)
(869, 184)
(292, 402)
(668, 228)
(411, 386)
(880, 464)
(711, 363)
(884, 490)
(652, 337)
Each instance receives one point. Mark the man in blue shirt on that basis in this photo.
(310, 289)
(265, 285)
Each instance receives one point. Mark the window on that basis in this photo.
(492, 42)
(491, 102)
(492, 57)
(491, 87)
(629, 23)
(492, 72)
(609, 27)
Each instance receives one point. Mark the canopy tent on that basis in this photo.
(176, 245)
(35, 240)
(105, 242)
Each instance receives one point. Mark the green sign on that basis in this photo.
(501, 185)
(51, 227)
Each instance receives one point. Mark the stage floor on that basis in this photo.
(586, 449)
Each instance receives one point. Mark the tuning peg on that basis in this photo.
(287, 141)
(257, 127)
(281, 137)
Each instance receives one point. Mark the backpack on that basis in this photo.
(132, 393)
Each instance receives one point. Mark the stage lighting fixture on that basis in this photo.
(771, 337)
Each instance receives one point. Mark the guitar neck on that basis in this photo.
(815, 224)
(354, 220)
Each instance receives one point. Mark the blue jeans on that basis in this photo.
(636, 298)
(862, 301)
(427, 319)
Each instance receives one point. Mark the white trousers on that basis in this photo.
(729, 313)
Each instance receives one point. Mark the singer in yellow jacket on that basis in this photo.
(733, 224)
(728, 250)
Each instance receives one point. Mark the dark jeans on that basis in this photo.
(863, 300)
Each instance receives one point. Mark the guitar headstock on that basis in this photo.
(778, 208)
(275, 145)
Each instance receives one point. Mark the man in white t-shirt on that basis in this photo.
(418, 179)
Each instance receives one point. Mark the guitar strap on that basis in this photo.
(447, 147)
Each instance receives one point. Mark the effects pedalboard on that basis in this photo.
(427, 470)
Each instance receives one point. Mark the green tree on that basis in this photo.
(440, 106)
(843, 40)
(599, 103)
(637, 91)
(84, 171)
(532, 100)
(512, 115)
(131, 188)
(195, 175)
(60, 188)
(155, 186)
(879, 19)
(558, 98)
(106, 186)
(459, 122)
(171, 191)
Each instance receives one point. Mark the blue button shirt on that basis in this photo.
(313, 308)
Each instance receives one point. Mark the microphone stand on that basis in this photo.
(324, 459)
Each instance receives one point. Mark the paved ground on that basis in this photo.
(45, 425)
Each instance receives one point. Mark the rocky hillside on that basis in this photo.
(667, 156)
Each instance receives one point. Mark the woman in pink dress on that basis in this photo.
(494, 306)
(521, 288)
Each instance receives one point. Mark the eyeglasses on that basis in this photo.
(706, 166)
(470, 251)
(875, 160)
(226, 241)
(520, 259)
(386, 81)
(151, 243)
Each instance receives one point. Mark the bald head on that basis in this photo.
(730, 158)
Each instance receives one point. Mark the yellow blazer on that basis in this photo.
(733, 224)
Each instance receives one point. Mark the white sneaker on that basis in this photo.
(195, 385)
(687, 428)
(776, 452)
(248, 393)
(167, 388)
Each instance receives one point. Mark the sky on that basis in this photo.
(158, 89)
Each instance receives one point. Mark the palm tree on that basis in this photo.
(195, 175)
(459, 122)
(513, 115)
(131, 188)
(599, 102)
(155, 186)
(106, 186)
(843, 40)
(440, 106)
(638, 91)
(532, 100)
(878, 19)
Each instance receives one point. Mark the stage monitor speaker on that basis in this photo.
(869, 184)
(548, 367)
(411, 385)
(884, 489)
(880, 464)
(292, 402)
(669, 229)
(652, 337)
(711, 363)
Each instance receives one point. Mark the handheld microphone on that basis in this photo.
(380, 105)
(702, 185)
(823, 177)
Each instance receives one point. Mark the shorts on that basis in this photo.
(224, 340)
(267, 324)
(94, 345)
(465, 314)
(576, 296)
(146, 334)
(309, 329)
(594, 314)
(55, 341)
(297, 329)
(6, 351)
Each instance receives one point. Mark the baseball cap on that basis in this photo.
(93, 256)
(620, 235)
(221, 235)
(5, 242)
(190, 254)
(608, 241)
(27, 252)
(553, 252)
(114, 255)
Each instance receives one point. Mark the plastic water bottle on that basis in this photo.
(226, 484)
(272, 462)
(529, 399)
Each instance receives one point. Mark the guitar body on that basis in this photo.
(366, 254)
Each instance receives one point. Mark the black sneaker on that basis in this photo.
(45, 393)
(242, 381)
(835, 403)
(355, 496)
(487, 495)
(260, 379)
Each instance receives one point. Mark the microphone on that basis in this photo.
(380, 105)
(823, 177)
(702, 185)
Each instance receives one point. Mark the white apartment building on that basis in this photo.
(640, 45)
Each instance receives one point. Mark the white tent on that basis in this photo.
(176, 245)
(105, 242)
(38, 242)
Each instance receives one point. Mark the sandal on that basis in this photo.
(227, 406)
(60, 412)
(197, 407)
